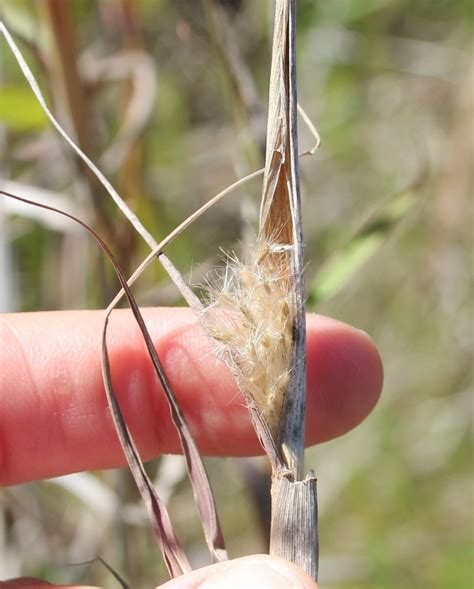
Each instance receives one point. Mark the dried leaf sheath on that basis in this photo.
(294, 528)
(255, 310)
(256, 315)
(257, 296)
(294, 533)
(280, 216)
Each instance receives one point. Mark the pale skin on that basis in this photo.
(52, 397)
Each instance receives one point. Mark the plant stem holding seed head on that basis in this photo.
(257, 319)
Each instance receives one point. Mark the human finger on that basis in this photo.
(54, 417)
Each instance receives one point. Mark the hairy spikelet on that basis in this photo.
(249, 316)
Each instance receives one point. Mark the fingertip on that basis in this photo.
(251, 572)
(345, 377)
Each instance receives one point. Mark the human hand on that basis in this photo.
(52, 397)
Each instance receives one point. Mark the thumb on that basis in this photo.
(250, 572)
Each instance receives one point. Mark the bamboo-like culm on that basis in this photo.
(294, 528)
(256, 315)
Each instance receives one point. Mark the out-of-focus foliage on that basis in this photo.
(389, 243)
(19, 109)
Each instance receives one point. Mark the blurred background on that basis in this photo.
(168, 97)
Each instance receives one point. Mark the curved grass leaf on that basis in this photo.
(174, 556)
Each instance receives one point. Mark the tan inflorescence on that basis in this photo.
(250, 318)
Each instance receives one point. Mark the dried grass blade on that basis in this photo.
(175, 559)
(25, 69)
(198, 476)
(197, 473)
(129, 214)
(174, 556)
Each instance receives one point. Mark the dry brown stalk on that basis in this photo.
(256, 315)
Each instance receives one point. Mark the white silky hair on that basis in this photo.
(249, 315)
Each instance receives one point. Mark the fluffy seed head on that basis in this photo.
(249, 316)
